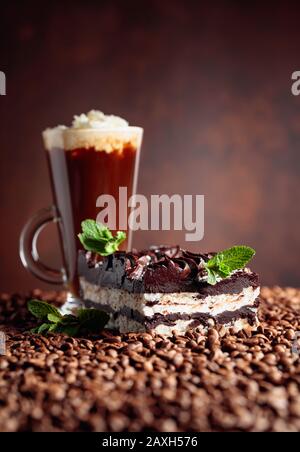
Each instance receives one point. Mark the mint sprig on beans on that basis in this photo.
(52, 321)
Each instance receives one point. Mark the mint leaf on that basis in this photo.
(35, 330)
(67, 329)
(40, 329)
(69, 318)
(232, 258)
(88, 320)
(70, 330)
(41, 309)
(211, 277)
(96, 246)
(224, 263)
(98, 238)
(92, 319)
(97, 230)
(53, 327)
(53, 318)
(120, 237)
(43, 328)
(110, 248)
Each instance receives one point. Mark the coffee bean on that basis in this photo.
(201, 381)
(270, 358)
(290, 334)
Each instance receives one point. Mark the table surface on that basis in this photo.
(140, 382)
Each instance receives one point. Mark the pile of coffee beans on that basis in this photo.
(137, 382)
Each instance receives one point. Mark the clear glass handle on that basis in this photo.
(28, 247)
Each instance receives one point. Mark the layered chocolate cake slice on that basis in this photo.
(166, 288)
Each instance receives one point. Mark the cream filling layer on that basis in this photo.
(168, 303)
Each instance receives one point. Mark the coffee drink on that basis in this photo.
(95, 156)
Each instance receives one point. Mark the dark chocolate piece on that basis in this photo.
(159, 270)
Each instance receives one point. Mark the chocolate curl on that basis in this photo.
(137, 270)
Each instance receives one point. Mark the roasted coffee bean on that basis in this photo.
(202, 381)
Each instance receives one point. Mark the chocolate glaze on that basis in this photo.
(159, 269)
(200, 318)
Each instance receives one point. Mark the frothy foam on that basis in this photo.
(95, 119)
(94, 130)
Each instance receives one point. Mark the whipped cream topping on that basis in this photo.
(95, 119)
(95, 130)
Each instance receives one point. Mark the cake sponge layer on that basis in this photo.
(164, 313)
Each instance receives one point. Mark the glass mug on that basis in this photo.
(83, 164)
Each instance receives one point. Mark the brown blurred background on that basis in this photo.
(211, 85)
